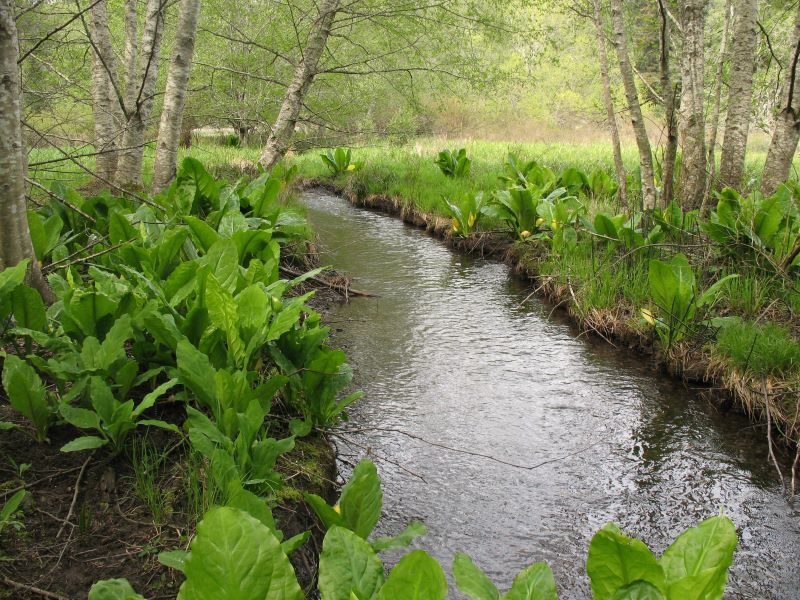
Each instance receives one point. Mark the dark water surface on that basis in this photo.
(448, 354)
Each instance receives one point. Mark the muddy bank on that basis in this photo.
(689, 361)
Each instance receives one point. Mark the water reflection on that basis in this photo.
(448, 354)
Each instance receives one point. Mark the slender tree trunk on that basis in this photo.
(642, 141)
(105, 103)
(281, 134)
(169, 130)
(129, 167)
(608, 100)
(712, 136)
(786, 132)
(740, 94)
(669, 92)
(15, 240)
(131, 53)
(693, 160)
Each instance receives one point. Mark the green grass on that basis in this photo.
(760, 350)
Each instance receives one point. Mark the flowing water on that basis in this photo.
(451, 355)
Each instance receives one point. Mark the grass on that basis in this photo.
(759, 349)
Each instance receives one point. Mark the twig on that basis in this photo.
(5, 493)
(55, 196)
(769, 440)
(75, 494)
(32, 589)
(337, 287)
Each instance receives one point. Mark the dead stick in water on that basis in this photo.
(337, 287)
(769, 440)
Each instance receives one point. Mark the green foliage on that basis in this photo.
(113, 589)
(760, 349)
(27, 394)
(339, 161)
(454, 163)
(673, 290)
(465, 213)
(533, 583)
(9, 509)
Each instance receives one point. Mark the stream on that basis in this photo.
(450, 354)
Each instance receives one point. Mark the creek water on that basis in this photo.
(451, 354)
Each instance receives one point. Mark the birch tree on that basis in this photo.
(305, 71)
(169, 129)
(786, 131)
(692, 121)
(608, 101)
(740, 92)
(15, 240)
(635, 109)
(669, 93)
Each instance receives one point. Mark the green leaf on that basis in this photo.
(323, 510)
(120, 229)
(81, 418)
(616, 560)
(44, 234)
(150, 399)
(235, 557)
(361, 499)
(113, 589)
(402, 539)
(26, 393)
(696, 564)
(223, 259)
(202, 232)
(196, 373)
(257, 507)
(11, 277)
(224, 316)
(86, 442)
(174, 559)
(533, 583)
(348, 565)
(416, 577)
(295, 542)
(10, 507)
(471, 580)
(638, 590)
(28, 308)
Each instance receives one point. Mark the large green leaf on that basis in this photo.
(348, 564)
(235, 557)
(28, 308)
(224, 316)
(196, 373)
(11, 277)
(402, 539)
(616, 560)
(416, 577)
(26, 393)
(44, 233)
(471, 580)
(638, 590)
(361, 499)
(113, 589)
(533, 583)
(223, 259)
(326, 514)
(204, 235)
(696, 564)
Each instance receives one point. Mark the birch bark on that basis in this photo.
(281, 134)
(169, 129)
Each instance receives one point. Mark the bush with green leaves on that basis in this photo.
(454, 163)
(465, 212)
(238, 554)
(339, 161)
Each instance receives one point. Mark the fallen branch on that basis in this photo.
(34, 590)
(75, 495)
(343, 289)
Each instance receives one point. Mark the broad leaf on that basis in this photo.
(416, 577)
(361, 499)
(26, 393)
(471, 581)
(533, 583)
(348, 565)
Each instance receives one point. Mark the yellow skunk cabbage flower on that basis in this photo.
(336, 509)
(539, 221)
(455, 224)
(553, 224)
(648, 316)
(351, 167)
(471, 219)
(525, 234)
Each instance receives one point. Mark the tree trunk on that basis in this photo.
(169, 130)
(740, 94)
(693, 159)
(129, 168)
(712, 136)
(15, 240)
(281, 134)
(786, 132)
(131, 53)
(669, 92)
(608, 100)
(642, 141)
(105, 103)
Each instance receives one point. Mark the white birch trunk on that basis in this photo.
(692, 117)
(608, 100)
(740, 94)
(786, 132)
(129, 167)
(15, 240)
(281, 134)
(169, 129)
(642, 141)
